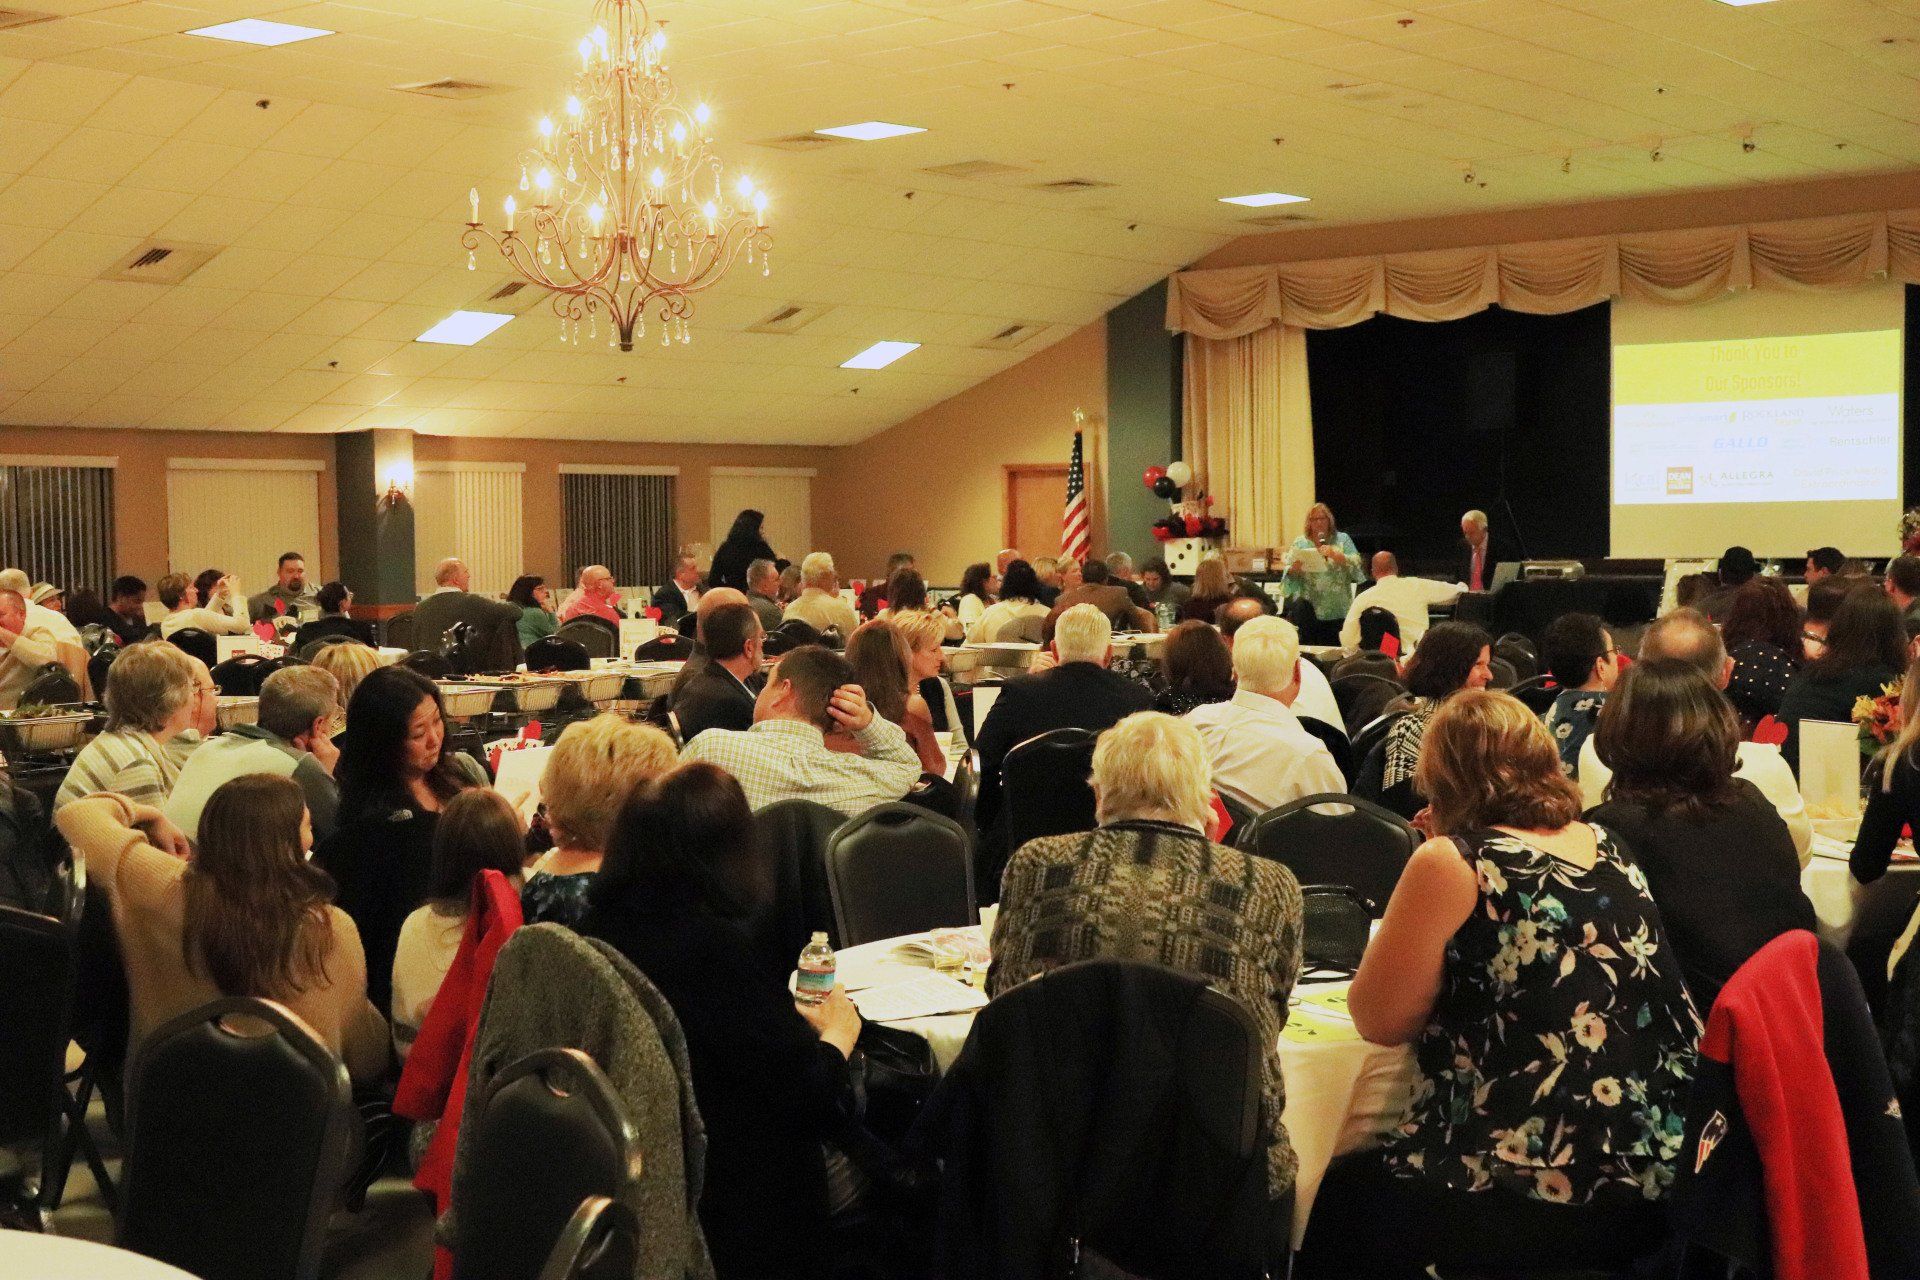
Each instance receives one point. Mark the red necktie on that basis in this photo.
(1479, 556)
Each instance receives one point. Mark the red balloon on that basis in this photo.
(1193, 526)
(1152, 476)
(1160, 533)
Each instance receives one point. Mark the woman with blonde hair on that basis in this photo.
(925, 633)
(1323, 566)
(1149, 884)
(594, 766)
(1212, 587)
(1523, 956)
(348, 663)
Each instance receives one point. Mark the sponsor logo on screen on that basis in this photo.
(1679, 480)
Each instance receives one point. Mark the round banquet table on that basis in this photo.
(27, 1255)
(1829, 885)
(1343, 1093)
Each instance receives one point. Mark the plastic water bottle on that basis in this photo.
(816, 972)
(1163, 614)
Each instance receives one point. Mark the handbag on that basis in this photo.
(892, 1074)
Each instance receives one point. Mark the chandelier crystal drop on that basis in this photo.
(622, 203)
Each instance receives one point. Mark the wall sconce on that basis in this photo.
(399, 486)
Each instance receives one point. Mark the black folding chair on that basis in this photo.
(1520, 654)
(665, 647)
(1504, 675)
(431, 665)
(1335, 926)
(899, 868)
(1335, 742)
(1372, 735)
(790, 838)
(399, 630)
(1362, 698)
(600, 638)
(53, 687)
(798, 632)
(556, 653)
(1045, 787)
(308, 650)
(198, 643)
(1334, 839)
(241, 1134)
(550, 1133)
(601, 1242)
(241, 675)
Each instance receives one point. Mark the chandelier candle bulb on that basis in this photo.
(473, 197)
(509, 206)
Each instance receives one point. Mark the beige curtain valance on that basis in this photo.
(1548, 276)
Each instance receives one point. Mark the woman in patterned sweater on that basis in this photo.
(1523, 957)
(1150, 885)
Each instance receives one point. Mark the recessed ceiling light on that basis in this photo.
(1738, 4)
(464, 328)
(1263, 199)
(259, 31)
(880, 355)
(871, 131)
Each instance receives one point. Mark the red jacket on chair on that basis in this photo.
(434, 1084)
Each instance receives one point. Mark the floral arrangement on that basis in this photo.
(1878, 718)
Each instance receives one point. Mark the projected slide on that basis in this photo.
(1758, 420)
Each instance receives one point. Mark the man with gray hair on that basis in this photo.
(820, 605)
(1078, 692)
(1262, 756)
(27, 648)
(763, 592)
(293, 739)
(1688, 637)
(1120, 574)
(496, 647)
(1478, 554)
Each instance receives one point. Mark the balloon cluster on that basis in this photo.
(1189, 518)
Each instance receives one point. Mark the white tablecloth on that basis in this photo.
(1341, 1094)
(1835, 894)
(27, 1255)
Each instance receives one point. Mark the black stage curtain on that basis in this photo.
(1416, 422)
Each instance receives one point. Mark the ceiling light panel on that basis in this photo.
(870, 131)
(880, 355)
(259, 31)
(464, 328)
(1261, 200)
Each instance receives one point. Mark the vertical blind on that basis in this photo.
(470, 510)
(56, 523)
(625, 522)
(239, 518)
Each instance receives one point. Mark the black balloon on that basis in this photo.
(1164, 487)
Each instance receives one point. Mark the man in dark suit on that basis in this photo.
(497, 644)
(1479, 555)
(720, 694)
(681, 594)
(1078, 692)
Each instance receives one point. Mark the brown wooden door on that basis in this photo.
(1036, 495)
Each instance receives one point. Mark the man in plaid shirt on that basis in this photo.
(784, 756)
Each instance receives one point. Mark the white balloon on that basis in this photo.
(1180, 473)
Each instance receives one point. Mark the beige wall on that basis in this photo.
(140, 484)
(935, 484)
(1776, 202)
(540, 487)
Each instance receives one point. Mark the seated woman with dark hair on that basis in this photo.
(1866, 650)
(681, 880)
(535, 598)
(1524, 959)
(1762, 635)
(334, 620)
(1019, 604)
(1716, 853)
(1197, 666)
(1452, 656)
(883, 665)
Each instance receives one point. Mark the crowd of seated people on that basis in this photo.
(1592, 874)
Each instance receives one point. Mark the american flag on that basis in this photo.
(1073, 520)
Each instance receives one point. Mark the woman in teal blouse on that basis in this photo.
(535, 599)
(1329, 589)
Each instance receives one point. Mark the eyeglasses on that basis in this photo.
(204, 689)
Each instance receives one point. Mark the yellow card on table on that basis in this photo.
(1315, 1028)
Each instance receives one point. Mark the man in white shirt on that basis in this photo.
(1685, 635)
(1261, 755)
(225, 614)
(820, 605)
(1407, 599)
(784, 755)
(1315, 699)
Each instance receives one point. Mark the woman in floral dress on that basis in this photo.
(1524, 958)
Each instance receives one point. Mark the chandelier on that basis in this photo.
(623, 205)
